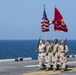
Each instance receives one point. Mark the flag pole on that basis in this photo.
(54, 33)
(44, 32)
(45, 36)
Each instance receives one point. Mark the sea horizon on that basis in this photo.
(26, 48)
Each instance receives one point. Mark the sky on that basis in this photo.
(21, 19)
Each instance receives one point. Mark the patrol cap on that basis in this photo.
(48, 41)
(56, 40)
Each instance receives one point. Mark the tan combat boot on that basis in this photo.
(47, 69)
(54, 69)
(62, 70)
(39, 69)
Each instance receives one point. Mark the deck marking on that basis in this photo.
(49, 72)
(46, 64)
(31, 66)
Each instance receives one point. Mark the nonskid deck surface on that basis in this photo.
(30, 68)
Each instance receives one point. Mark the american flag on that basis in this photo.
(45, 22)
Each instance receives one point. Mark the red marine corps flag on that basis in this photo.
(58, 22)
(45, 22)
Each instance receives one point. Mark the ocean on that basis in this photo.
(26, 48)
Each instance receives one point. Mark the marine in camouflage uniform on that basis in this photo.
(48, 55)
(63, 55)
(55, 53)
(41, 55)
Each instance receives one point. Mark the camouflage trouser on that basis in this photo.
(63, 60)
(55, 59)
(41, 59)
(48, 60)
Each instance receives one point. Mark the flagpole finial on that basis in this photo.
(55, 5)
(44, 6)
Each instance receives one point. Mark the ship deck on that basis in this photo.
(30, 68)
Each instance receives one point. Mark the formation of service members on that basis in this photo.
(51, 54)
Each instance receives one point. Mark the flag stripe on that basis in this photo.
(45, 22)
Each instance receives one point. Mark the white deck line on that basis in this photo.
(46, 64)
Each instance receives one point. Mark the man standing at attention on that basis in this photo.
(63, 55)
(48, 54)
(55, 53)
(41, 55)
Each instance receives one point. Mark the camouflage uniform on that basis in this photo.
(41, 55)
(55, 54)
(63, 55)
(48, 55)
